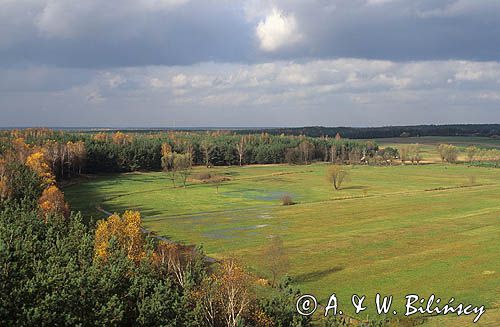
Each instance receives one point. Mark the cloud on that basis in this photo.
(251, 62)
(342, 91)
(179, 80)
(95, 97)
(277, 30)
(125, 33)
(157, 83)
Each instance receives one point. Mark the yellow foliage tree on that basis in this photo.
(3, 184)
(234, 291)
(126, 230)
(100, 136)
(52, 202)
(121, 138)
(21, 149)
(37, 162)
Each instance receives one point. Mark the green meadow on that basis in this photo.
(397, 230)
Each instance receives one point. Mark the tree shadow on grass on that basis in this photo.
(355, 187)
(316, 275)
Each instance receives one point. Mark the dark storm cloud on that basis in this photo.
(179, 32)
(97, 34)
(398, 29)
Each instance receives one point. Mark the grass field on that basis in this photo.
(429, 144)
(394, 230)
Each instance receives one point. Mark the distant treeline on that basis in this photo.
(486, 130)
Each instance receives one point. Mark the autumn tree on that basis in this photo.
(404, 153)
(51, 151)
(234, 291)
(276, 259)
(121, 138)
(52, 202)
(21, 149)
(182, 164)
(166, 156)
(4, 190)
(336, 174)
(101, 137)
(471, 152)
(206, 147)
(448, 152)
(306, 148)
(38, 163)
(333, 153)
(167, 161)
(75, 154)
(415, 153)
(208, 298)
(179, 261)
(240, 147)
(125, 230)
(189, 150)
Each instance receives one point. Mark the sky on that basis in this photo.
(232, 63)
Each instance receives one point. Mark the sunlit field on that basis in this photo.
(394, 230)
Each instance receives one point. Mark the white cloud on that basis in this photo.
(114, 80)
(179, 80)
(311, 88)
(277, 30)
(157, 83)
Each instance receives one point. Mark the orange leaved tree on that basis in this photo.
(52, 202)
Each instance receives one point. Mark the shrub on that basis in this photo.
(287, 200)
(204, 176)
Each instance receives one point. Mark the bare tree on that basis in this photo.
(448, 152)
(182, 164)
(306, 148)
(337, 175)
(234, 286)
(240, 147)
(276, 258)
(333, 153)
(206, 147)
(471, 152)
(404, 153)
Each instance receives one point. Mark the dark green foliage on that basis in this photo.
(387, 131)
(280, 307)
(23, 183)
(49, 277)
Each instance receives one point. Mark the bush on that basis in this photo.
(203, 176)
(287, 200)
